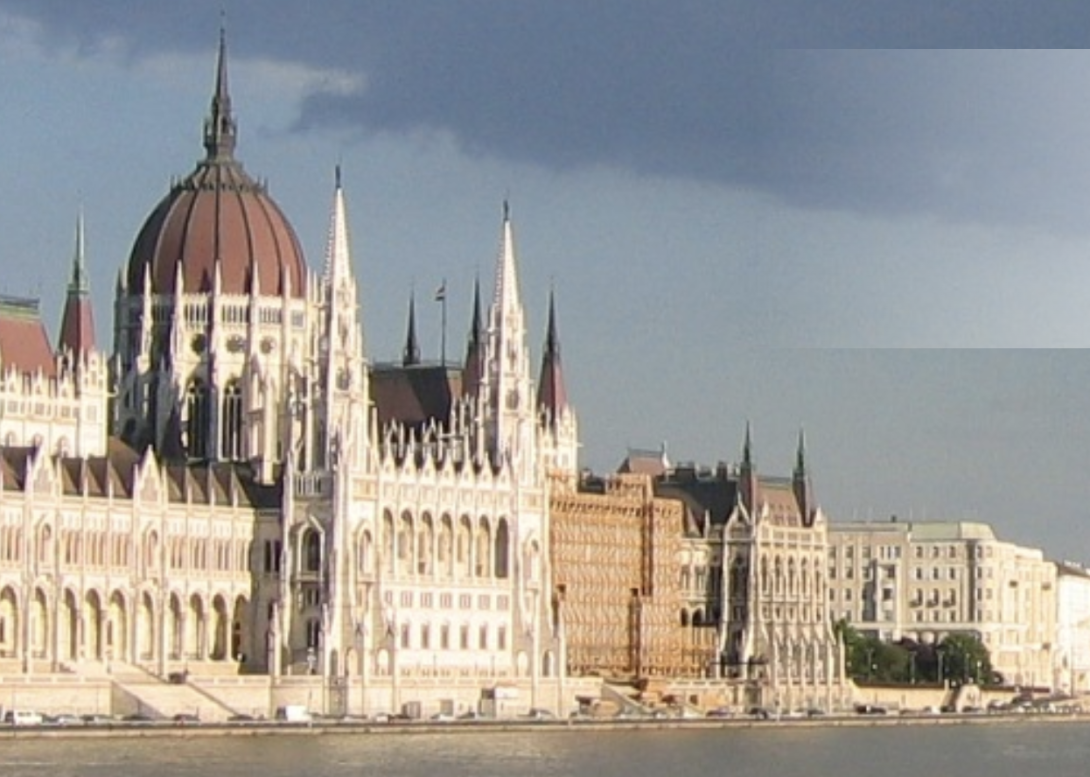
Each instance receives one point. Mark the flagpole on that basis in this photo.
(443, 335)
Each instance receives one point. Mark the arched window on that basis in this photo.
(231, 443)
(196, 419)
(502, 545)
(312, 551)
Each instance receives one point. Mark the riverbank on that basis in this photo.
(409, 728)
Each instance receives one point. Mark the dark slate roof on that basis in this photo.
(415, 394)
(99, 476)
(703, 492)
(14, 463)
(715, 492)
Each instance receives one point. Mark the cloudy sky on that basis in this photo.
(867, 218)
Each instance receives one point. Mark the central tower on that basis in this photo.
(213, 317)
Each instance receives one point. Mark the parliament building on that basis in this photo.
(234, 509)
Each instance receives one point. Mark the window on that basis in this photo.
(231, 442)
(196, 420)
(313, 551)
(463, 642)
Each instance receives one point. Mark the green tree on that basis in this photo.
(965, 659)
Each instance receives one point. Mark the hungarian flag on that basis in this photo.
(441, 292)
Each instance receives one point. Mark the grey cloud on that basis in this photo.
(700, 90)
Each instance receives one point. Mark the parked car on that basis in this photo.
(293, 713)
(23, 718)
(96, 719)
(66, 719)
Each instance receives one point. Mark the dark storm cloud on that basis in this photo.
(709, 91)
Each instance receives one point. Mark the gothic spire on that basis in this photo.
(474, 363)
(78, 324)
(411, 355)
(748, 483)
(79, 282)
(337, 260)
(506, 295)
(801, 484)
(219, 127)
(476, 329)
(552, 397)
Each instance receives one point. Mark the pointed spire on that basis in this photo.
(476, 328)
(219, 127)
(748, 484)
(552, 342)
(79, 282)
(474, 364)
(506, 297)
(337, 259)
(78, 324)
(411, 355)
(801, 484)
(552, 397)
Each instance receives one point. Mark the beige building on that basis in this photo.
(752, 571)
(1071, 656)
(926, 579)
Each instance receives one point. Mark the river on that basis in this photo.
(995, 750)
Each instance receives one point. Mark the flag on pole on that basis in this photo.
(441, 292)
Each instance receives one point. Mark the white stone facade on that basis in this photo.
(925, 580)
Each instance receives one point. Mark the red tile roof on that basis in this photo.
(24, 344)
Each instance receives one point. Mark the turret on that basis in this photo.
(77, 335)
(410, 355)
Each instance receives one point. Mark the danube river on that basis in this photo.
(995, 749)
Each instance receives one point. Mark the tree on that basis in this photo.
(965, 659)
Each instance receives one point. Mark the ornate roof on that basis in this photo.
(218, 216)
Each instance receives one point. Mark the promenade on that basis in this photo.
(263, 728)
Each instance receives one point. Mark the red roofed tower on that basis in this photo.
(77, 336)
(559, 430)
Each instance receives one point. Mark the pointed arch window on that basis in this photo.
(231, 444)
(196, 423)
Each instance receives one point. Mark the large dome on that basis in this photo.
(218, 213)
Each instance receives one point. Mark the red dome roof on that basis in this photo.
(218, 214)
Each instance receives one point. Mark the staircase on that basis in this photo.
(137, 691)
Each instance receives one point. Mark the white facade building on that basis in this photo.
(927, 579)
(275, 505)
(1072, 650)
